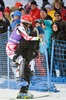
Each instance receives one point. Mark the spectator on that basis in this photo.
(41, 48)
(22, 10)
(35, 12)
(18, 5)
(47, 33)
(50, 11)
(45, 2)
(27, 7)
(7, 13)
(40, 30)
(4, 23)
(44, 15)
(58, 6)
(38, 26)
(59, 53)
(16, 19)
(41, 34)
(45, 39)
(62, 3)
(58, 19)
(47, 27)
(2, 5)
(48, 7)
(57, 32)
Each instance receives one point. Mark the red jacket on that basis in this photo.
(63, 13)
(35, 14)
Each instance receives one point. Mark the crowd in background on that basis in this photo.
(50, 19)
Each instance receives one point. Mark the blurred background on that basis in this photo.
(39, 2)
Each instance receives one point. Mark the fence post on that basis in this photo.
(51, 64)
(47, 63)
(8, 64)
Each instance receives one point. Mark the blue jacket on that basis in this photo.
(47, 32)
(14, 24)
(47, 36)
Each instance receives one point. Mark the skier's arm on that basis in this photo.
(27, 37)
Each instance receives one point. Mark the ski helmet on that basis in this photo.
(26, 19)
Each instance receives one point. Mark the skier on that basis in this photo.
(20, 48)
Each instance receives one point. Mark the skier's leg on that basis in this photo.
(32, 67)
(24, 74)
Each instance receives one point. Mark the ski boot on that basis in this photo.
(23, 94)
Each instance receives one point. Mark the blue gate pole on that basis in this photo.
(46, 55)
(8, 64)
(51, 64)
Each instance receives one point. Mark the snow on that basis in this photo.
(10, 94)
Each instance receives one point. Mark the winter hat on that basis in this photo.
(37, 21)
(21, 8)
(44, 9)
(18, 4)
(7, 9)
(34, 2)
(48, 6)
(1, 14)
(16, 13)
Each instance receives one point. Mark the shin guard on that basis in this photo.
(24, 71)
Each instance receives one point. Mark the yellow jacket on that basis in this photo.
(51, 13)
